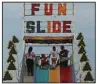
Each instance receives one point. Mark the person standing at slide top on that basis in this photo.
(54, 57)
(29, 56)
(63, 53)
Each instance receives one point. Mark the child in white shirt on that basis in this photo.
(54, 56)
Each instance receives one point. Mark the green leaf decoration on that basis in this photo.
(81, 50)
(83, 58)
(80, 36)
(87, 67)
(7, 76)
(11, 66)
(13, 51)
(10, 44)
(88, 77)
(81, 43)
(15, 39)
(11, 58)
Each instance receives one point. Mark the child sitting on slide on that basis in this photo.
(43, 59)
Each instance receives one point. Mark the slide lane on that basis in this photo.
(66, 74)
(54, 75)
(41, 76)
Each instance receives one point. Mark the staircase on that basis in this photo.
(27, 79)
(24, 78)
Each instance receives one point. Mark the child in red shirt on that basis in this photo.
(43, 59)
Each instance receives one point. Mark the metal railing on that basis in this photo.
(22, 71)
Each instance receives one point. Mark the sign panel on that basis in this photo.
(48, 18)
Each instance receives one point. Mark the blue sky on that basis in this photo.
(84, 22)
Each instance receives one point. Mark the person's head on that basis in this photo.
(62, 47)
(30, 49)
(54, 48)
(42, 55)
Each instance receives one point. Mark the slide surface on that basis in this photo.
(66, 74)
(41, 75)
(54, 75)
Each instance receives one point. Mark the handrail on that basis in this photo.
(22, 71)
(22, 68)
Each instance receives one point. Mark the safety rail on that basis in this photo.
(22, 71)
